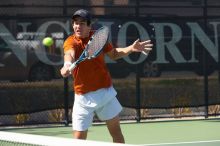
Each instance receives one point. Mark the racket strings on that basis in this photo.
(98, 41)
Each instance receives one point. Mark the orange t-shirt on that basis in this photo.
(89, 75)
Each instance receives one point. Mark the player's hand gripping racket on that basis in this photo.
(93, 47)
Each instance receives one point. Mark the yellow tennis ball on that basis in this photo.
(48, 41)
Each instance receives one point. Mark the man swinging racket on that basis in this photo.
(84, 53)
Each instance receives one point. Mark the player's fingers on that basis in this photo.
(147, 48)
(145, 53)
(145, 42)
(137, 41)
(149, 45)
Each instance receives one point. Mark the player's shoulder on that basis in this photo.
(71, 39)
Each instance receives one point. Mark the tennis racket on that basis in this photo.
(94, 46)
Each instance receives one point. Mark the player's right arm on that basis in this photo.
(68, 60)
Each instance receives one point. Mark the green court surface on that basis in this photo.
(149, 133)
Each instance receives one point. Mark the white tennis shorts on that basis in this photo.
(103, 102)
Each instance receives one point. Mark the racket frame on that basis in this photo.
(84, 54)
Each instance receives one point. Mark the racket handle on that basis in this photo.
(72, 66)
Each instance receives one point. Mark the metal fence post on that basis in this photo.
(138, 90)
(205, 67)
(66, 101)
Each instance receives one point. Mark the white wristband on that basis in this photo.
(67, 63)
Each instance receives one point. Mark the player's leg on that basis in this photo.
(80, 134)
(82, 117)
(115, 130)
(109, 112)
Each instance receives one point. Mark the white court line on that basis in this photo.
(177, 143)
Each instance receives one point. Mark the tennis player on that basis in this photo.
(94, 93)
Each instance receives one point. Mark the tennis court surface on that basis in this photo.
(149, 133)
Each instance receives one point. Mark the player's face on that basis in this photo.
(81, 28)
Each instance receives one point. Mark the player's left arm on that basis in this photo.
(137, 46)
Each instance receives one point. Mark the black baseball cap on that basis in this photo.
(82, 13)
